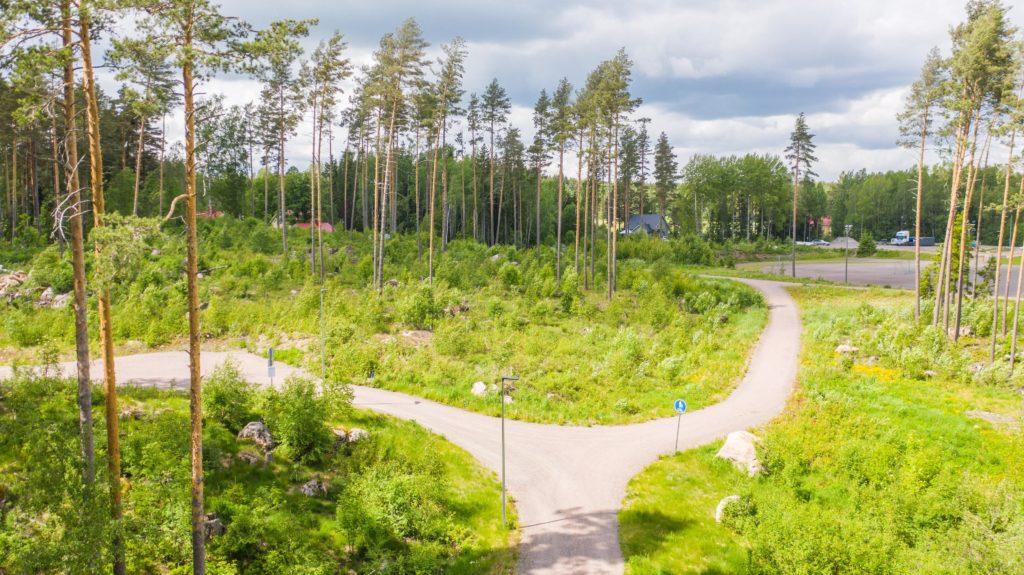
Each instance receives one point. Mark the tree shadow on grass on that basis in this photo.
(655, 526)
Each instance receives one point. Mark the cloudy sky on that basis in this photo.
(719, 77)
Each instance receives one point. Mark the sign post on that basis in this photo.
(504, 378)
(680, 407)
(846, 250)
(271, 369)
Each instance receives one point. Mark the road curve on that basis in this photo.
(568, 482)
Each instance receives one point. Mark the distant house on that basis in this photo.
(650, 224)
(325, 226)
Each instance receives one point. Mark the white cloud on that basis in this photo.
(719, 77)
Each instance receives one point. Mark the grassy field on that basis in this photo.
(876, 466)
(581, 358)
(400, 500)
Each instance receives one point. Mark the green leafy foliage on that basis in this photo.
(228, 398)
(489, 310)
(866, 246)
(875, 469)
(298, 414)
(433, 509)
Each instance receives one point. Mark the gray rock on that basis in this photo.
(965, 331)
(313, 488)
(997, 420)
(258, 433)
(250, 458)
(723, 505)
(132, 412)
(61, 301)
(479, 389)
(740, 448)
(846, 348)
(213, 526)
(46, 298)
(355, 435)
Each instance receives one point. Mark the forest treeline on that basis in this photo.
(717, 197)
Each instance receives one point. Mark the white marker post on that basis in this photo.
(271, 369)
(504, 378)
(680, 407)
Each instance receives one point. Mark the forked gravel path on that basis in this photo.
(568, 482)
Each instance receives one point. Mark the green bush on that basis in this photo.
(228, 397)
(50, 270)
(298, 417)
(866, 246)
(420, 310)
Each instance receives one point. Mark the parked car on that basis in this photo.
(820, 243)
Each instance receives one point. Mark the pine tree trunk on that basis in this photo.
(963, 235)
(416, 193)
(579, 202)
(12, 193)
(377, 216)
(163, 140)
(796, 189)
(313, 182)
(1009, 269)
(77, 259)
(431, 199)
(999, 244)
(491, 228)
(103, 296)
(282, 220)
(138, 166)
(1016, 313)
(917, 216)
(192, 275)
(942, 287)
(538, 207)
(558, 224)
(445, 208)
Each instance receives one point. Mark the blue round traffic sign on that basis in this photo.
(679, 405)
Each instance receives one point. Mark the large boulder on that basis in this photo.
(740, 448)
(846, 348)
(258, 433)
(479, 389)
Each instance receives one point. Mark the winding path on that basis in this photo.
(568, 482)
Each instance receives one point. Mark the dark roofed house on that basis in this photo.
(650, 224)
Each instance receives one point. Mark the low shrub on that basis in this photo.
(298, 416)
(228, 397)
